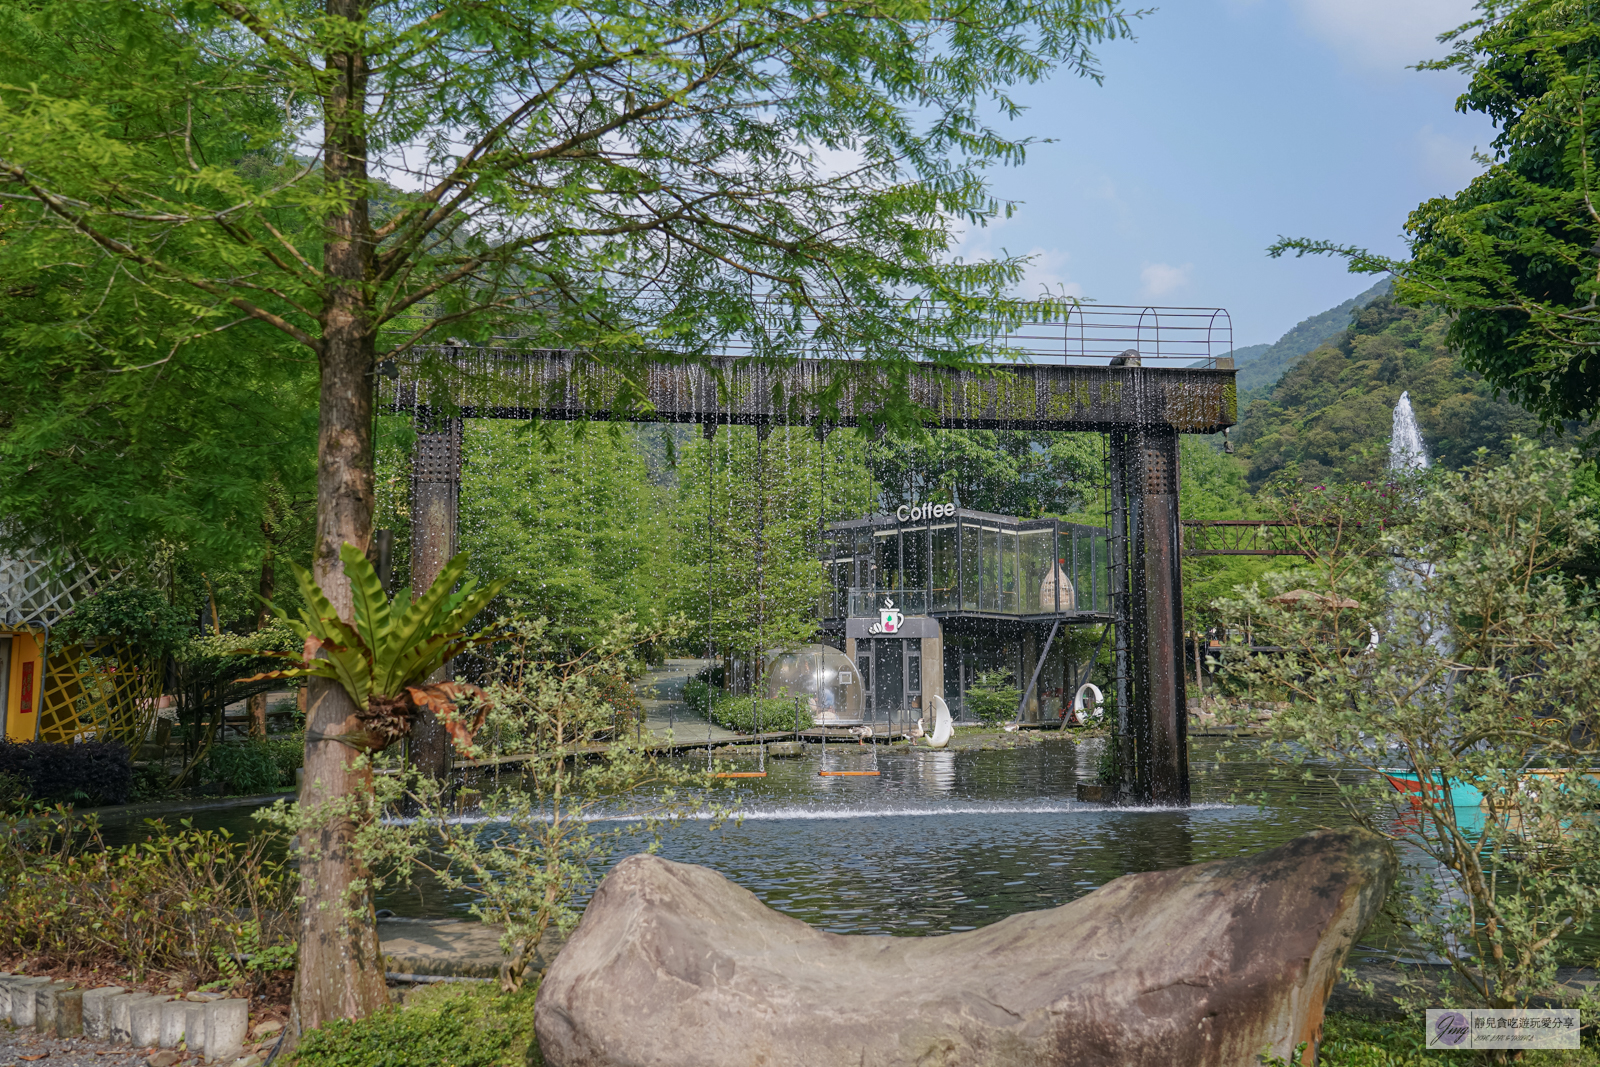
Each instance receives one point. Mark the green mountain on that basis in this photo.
(1260, 366)
(1330, 416)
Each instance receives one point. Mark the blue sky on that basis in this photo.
(1225, 124)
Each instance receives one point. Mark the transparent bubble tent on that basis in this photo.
(823, 679)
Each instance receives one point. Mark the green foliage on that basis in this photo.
(389, 647)
(218, 225)
(1441, 636)
(246, 769)
(571, 519)
(541, 849)
(1330, 418)
(142, 618)
(747, 517)
(740, 713)
(13, 792)
(1510, 259)
(445, 1025)
(179, 899)
(993, 697)
(1002, 471)
(1260, 371)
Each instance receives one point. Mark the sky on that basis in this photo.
(1224, 125)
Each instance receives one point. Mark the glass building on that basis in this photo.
(935, 597)
(970, 563)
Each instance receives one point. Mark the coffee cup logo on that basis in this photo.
(889, 621)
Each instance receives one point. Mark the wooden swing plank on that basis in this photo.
(847, 774)
(740, 774)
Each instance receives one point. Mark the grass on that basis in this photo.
(475, 1025)
(467, 1024)
(1350, 1041)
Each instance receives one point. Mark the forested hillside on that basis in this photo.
(1260, 366)
(1331, 414)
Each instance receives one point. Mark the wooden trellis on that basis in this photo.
(103, 692)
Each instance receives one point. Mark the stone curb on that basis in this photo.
(212, 1025)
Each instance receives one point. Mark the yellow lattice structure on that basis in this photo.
(103, 692)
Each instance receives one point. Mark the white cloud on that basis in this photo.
(1389, 34)
(1162, 278)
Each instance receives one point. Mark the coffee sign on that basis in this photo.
(919, 512)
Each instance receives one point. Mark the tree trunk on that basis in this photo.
(341, 968)
(258, 701)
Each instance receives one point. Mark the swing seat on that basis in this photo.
(848, 774)
(740, 774)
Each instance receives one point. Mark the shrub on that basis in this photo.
(288, 752)
(739, 713)
(81, 772)
(613, 688)
(13, 792)
(245, 769)
(185, 899)
(1447, 640)
(447, 1025)
(697, 694)
(992, 697)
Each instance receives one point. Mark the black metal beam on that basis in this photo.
(502, 384)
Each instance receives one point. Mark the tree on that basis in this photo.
(1513, 257)
(571, 519)
(1433, 630)
(750, 507)
(1003, 471)
(632, 181)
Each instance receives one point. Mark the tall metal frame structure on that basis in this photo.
(1140, 408)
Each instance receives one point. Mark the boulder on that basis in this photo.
(1206, 965)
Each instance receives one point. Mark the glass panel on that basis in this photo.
(914, 541)
(990, 578)
(1007, 576)
(886, 554)
(945, 567)
(1037, 591)
(888, 674)
(971, 564)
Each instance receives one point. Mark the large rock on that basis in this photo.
(1204, 965)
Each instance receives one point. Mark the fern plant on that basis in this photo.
(383, 658)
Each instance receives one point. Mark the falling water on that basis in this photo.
(1407, 452)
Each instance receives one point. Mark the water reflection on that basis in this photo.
(945, 841)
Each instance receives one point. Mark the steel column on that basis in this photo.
(435, 500)
(1152, 716)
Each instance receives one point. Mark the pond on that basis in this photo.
(946, 841)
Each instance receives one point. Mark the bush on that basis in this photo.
(992, 697)
(13, 792)
(244, 769)
(739, 713)
(697, 694)
(614, 689)
(288, 752)
(184, 899)
(78, 772)
(447, 1025)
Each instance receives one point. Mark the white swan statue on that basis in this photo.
(1081, 712)
(943, 726)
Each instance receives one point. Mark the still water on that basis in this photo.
(946, 841)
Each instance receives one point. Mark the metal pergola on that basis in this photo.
(1140, 408)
